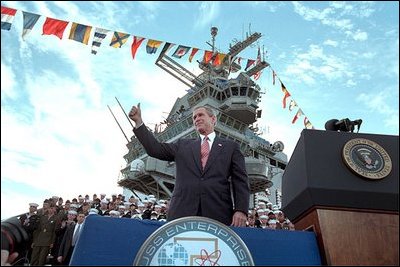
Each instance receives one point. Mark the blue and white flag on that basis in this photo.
(30, 20)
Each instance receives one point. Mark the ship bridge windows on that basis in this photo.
(243, 91)
(228, 92)
(235, 90)
(212, 92)
(253, 94)
(232, 123)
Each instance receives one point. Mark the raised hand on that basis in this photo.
(136, 115)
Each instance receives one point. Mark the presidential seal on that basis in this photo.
(194, 241)
(366, 158)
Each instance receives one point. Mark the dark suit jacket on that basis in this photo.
(209, 189)
(66, 242)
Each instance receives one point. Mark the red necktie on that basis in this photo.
(204, 151)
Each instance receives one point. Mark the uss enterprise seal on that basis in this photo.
(193, 241)
(367, 159)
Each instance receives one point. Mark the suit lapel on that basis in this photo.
(216, 149)
(196, 153)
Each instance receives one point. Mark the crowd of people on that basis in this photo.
(53, 229)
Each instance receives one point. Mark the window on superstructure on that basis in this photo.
(228, 92)
(223, 118)
(255, 154)
(235, 90)
(179, 127)
(243, 91)
(251, 94)
(236, 125)
(212, 91)
(223, 96)
(230, 122)
(218, 96)
(281, 165)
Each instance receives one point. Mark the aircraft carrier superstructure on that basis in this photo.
(236, 101)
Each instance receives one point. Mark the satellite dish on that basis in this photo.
(278, 146)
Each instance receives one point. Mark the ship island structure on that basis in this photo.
(236, 102)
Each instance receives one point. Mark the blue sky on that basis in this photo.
(337, 59)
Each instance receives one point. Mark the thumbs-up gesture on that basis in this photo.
(136, 115)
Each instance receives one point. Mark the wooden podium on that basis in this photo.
(345, 187)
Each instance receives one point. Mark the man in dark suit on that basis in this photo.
(202, 191)
(69, 240)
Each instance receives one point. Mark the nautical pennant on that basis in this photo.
(298, 114)
(30, 20)
(119, 39)
(166, 47)
(181, 51)
(286, 92)
(219, 58)
(292, 105)
(194, 51)
(273, 77)
(7, 17)
(258, 73)
(207, 56)
(152, 46)
(80, 33)
(99, 35)
(55, 27)
(308, 124)
(137, 41)
(249, 63)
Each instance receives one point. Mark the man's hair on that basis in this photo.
(208, 109)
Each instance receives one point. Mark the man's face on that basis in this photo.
(203, 122)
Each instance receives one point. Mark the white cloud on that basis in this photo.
(331, 43)
(7, 82)
(381, 103)
(360, 35)
(208, 12)
(314, 64)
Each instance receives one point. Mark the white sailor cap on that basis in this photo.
(137, 216)
(273, 221)
(260, 210)
(104, 201)
(33, 205)
(115, 212)
(72, 212)
(121, 207)
(93, 211)
(263, 217)
(157, 206)
(102, 194)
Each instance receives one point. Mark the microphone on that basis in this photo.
(344, 125)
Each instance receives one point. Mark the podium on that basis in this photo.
(353, 210)
(107, 241)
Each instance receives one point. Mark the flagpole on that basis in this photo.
(118, 124)
(125, 113)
